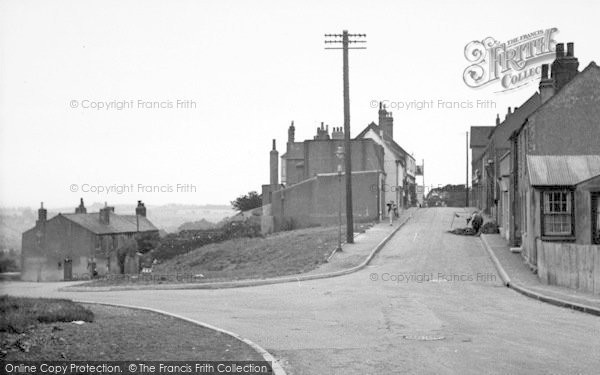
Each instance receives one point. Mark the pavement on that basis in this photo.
(518, 275)
(430, 302)
(352, 258)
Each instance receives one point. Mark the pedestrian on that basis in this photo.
(390, 206)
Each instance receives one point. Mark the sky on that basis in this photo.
(230, 76)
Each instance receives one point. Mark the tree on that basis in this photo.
(247, 202)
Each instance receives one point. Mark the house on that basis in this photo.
(557, 161)
(486, 172)
(82, 244)
(399, 166)
(478, 143)
(313, 180)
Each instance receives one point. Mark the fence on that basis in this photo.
(570, 265)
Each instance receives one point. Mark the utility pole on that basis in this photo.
(423, 173)
(467, 172)
(345, 40)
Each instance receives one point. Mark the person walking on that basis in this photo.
(390, 211)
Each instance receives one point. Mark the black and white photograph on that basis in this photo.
(233, 187)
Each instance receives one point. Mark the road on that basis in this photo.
(399, 315)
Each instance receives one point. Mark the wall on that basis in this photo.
(392, 190)
(320, 156)
(583, 210)
(567, 124)
(316, 201)
(58, 239)
(570, 265)
(44, 247)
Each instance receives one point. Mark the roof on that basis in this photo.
(116, 223)
(295, 151)
(592, 68)
(562, 170)
(513, 121)
(389, 142)
(479, 135)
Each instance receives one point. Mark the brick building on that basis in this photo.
(83, 243)
(312, 183)
(557, 161)
(399, 166)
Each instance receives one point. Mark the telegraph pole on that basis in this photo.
(345, 40)
(467, 173)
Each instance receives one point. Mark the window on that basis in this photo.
(557, 213)
(596, 218)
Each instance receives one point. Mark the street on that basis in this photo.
(430, 302)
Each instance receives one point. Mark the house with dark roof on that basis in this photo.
(82, 245)
(399, 166)
(489, 185)
(312, 173)
(557, 163)
(478, 143)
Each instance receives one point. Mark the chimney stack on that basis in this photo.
(564, 68)
(338, 133)
(291, 133)
(81, 208)
(274, 168)
(105, 214)
(386, 121)
(546, 85)
(42, 215)
(497, 119)
(140, 209)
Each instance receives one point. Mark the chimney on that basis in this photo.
(105, 214)
(42, 215)
(338, 133)
(386, 121)
(291, 133)
(546, 85)
(274, 168)
(140, 209)
(570, 49)
(81, 208)
(497, 119)
(322, 133)
(564, 68)
(560, 51)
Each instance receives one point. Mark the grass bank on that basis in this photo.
(280, 254)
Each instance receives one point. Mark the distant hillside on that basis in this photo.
(201, 224)
(14, 221)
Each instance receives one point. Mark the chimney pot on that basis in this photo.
(544, 71)
(570, 49)
(560, 50)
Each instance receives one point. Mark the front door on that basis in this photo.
(596, 218)
(68, 269)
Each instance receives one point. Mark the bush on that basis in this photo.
(188, 240)
(17, 314)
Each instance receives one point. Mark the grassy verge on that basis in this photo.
(281, 254)
(19, 314)
(122, 334)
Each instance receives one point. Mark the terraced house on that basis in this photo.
(541, 174)
(83, 244)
